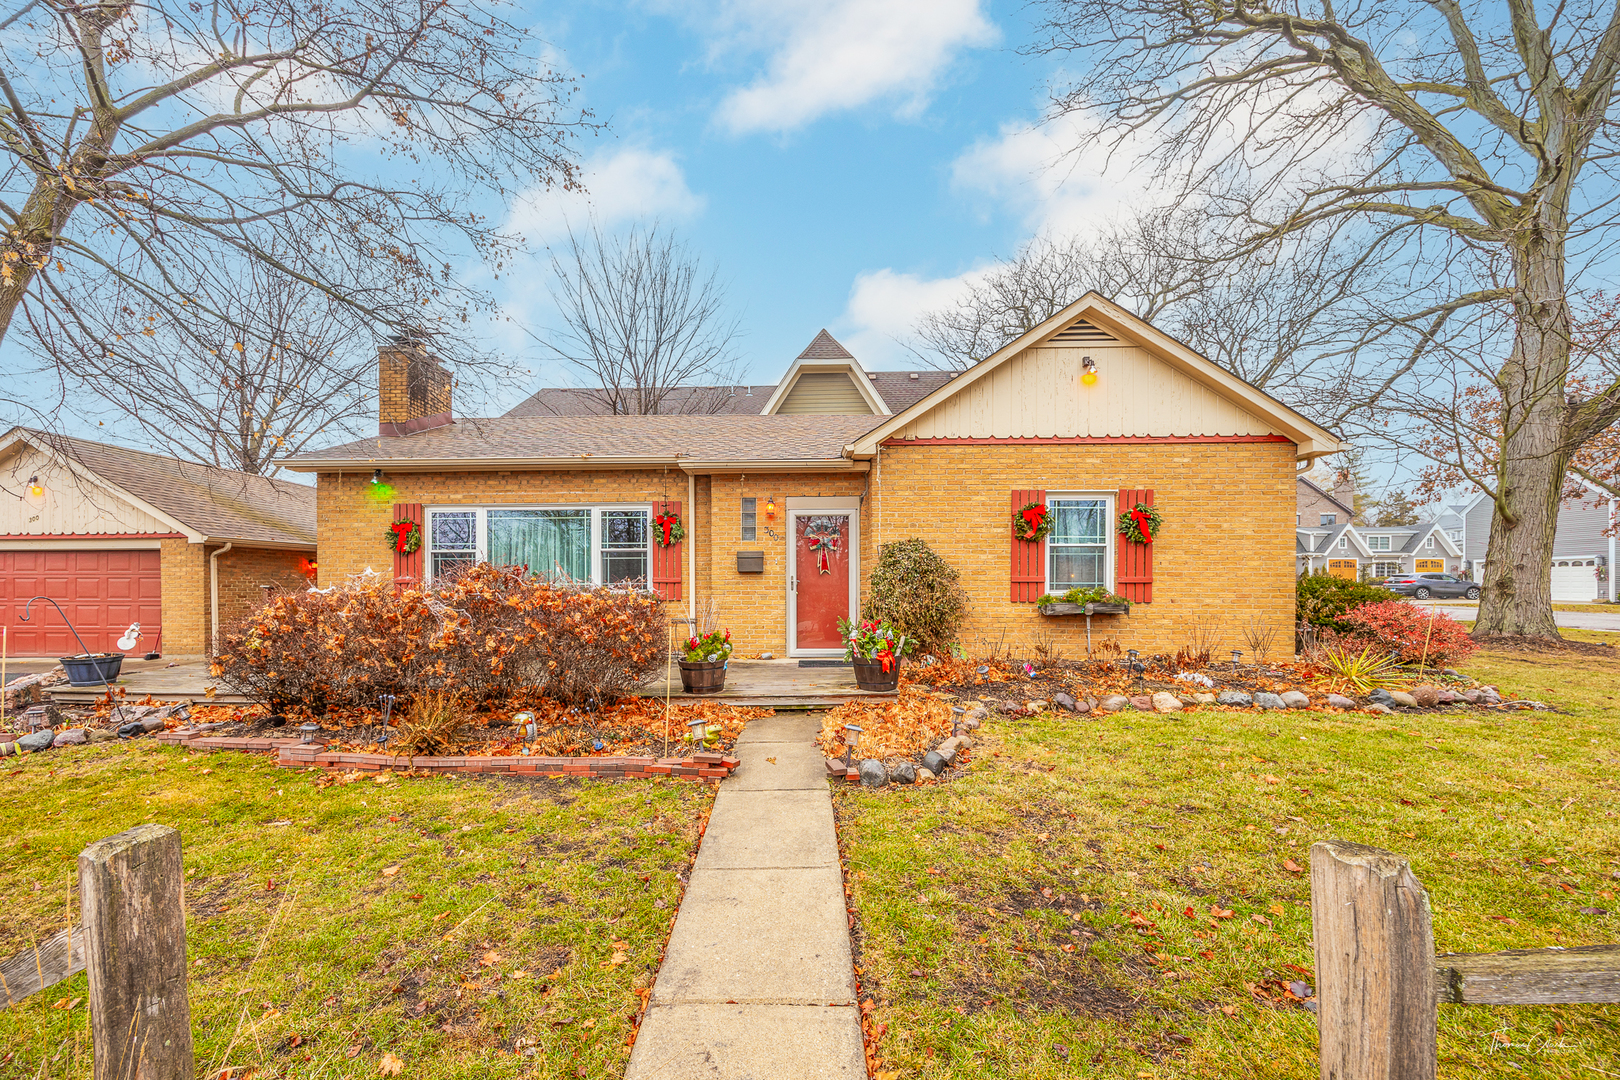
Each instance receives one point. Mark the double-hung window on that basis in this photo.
(601, 545)
(1077, 548)
(1378, 543)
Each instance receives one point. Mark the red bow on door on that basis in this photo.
(667, 521)
(824, 543)
(1144, 523)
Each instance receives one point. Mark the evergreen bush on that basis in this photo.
(1320, 599)
(919, 594)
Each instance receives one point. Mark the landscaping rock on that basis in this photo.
(125, 714)
(7, 749)
(925, 773)
(1473, 697)
(36, 741)
(1203, 699)
(1264, 700)
(1449, 671)
(904, 773)
(1401, 697)
(1163, 702)
(1380, 696)
(100, 734)
(1492, 697)
(1339, 701)
(73, 736)
(971, 724)
(948, 748)
(873, 774)
(1377, 708)
(1427, 697)
(978, 712)
(932, 764)
(1296, 699)
(1035, 706)
(1143, 702)
(1234, 697)
(1064, 702)
(1449, 697)
(1113, 703)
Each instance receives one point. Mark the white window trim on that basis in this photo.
(1372, 543)
(482, 529)
(1109, 544)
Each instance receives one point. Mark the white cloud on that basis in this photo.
(626, 185)
(884, 307)
(830, 56)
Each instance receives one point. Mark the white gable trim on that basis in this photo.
(852, 367)
(1312, 440)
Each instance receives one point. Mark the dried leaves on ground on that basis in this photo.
(897, 727)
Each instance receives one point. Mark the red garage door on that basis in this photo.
(101, 591)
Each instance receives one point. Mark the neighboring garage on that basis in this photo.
(117, 536)
(1576, 581)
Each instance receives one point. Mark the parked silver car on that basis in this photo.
(1423, 586)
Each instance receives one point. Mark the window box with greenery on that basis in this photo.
(875, 649)
(1083, 601)
(703, 666)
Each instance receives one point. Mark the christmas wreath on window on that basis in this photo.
(1140, 524)
(670, 529)
(406, 537)
(1032, 522)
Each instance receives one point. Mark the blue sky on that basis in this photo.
(843, 164)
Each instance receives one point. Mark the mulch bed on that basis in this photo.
(1519, 644)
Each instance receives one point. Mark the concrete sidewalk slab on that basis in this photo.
(767, 936)
(795, 769)
(749, 1042)
(783, 727)
(755, 830)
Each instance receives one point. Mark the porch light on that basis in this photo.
(1088, 376)
(36, 490)
(770, 507)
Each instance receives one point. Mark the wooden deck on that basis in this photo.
(779, 684)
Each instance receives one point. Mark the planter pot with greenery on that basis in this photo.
(703, 667)
(874, 649)
(1079, 601)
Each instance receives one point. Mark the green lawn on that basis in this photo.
(511, 940)
(1102, 834)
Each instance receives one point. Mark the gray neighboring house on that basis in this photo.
(1582, 554)
(1371, 552)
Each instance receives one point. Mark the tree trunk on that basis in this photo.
(1535, 447)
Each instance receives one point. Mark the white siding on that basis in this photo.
(1038, 394)
(71, 505)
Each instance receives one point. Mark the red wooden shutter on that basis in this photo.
(408, 568)
(666, 561)
(1134, 574)
(1028, 556)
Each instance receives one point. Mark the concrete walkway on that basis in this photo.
(758, 981)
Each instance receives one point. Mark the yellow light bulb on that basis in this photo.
(1089, 379)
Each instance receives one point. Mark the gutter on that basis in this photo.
(580, 461)
(213, 596)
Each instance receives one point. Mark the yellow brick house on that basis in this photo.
(785, 493)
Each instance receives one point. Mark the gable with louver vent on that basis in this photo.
(1081, 332)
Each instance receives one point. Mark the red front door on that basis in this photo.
(821, 555)
(101, 591)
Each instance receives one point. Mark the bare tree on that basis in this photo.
(1471, 144)
(242, 381)
(337, 143)
(643, 323)
(1273, 316)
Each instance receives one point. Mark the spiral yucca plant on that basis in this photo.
(1360, 672)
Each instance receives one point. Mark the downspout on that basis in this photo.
(1612, 504)
(213, 595)
(691, 552)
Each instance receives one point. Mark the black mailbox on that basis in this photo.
(750, 562)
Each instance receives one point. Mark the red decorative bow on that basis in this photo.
(1143, 523)
(1033, 516)
(402, 533)
(668, 522)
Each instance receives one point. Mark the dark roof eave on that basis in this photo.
(587, 461)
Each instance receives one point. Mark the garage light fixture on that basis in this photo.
(36, 490)
(376, 476)
(1088, 376)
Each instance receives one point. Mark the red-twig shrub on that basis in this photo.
(489, 634)
(1410, 633)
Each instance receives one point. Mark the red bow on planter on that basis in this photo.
(1033, 516)
(1144, 523)
(402, 533)
(667, 522)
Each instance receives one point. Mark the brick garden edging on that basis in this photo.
(296, 754)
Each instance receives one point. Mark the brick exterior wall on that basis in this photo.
(411, 386)
(1311, 505)
(244, 571)
(185, 599)
(957, 498)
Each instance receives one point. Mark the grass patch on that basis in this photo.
(522, 918)
(1101, 835)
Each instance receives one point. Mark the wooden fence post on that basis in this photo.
(135, 951)
(1374, 965)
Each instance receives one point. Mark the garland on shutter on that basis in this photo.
(666, 561)
(1028, 556)
(408, 568)
(1134, 574)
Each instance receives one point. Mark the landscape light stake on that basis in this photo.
(852, 737)
(309, 731)
(1138, 668)
(696, 724)
(387, 703)
(1237, 658)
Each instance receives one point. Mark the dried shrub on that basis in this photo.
(919, 593)
(1321, 599)
(434, 723)
(1259, 636)
(486, 635)
(1412, 634)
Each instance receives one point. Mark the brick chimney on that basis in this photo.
(413, 390)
